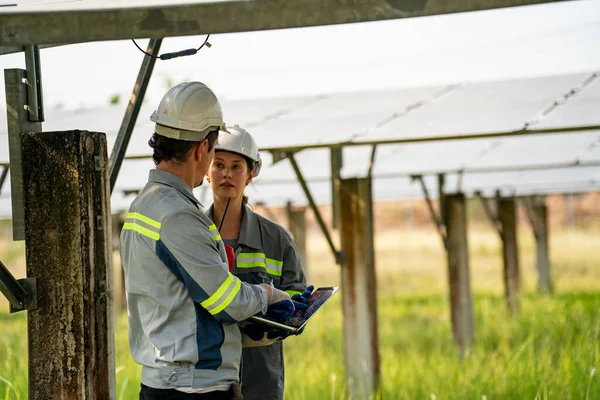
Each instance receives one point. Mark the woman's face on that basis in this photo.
(229, 175)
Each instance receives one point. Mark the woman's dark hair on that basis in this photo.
(167, 149)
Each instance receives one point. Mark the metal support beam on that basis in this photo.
(337, 162)
(336, 254)
(442, 138)
(44, 23)
(3, 176)
(507, 215)
(490, 212)
(437, 221)
(35, 104)
(461, 303)
(21, 294)
(359, 299)
(18, 122)
(537, 211)
(71, 259)
(133, 109)
(297, 227)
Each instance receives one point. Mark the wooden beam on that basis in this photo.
(461, 304)
(68, 233)
(537, 211)
(74, 23)
(297, 227)
(359, 289)
(507, 215)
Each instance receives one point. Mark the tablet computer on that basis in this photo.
(299, 318)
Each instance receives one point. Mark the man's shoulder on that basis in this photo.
(162, 202)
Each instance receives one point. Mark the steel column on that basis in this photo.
(18, 122)
(133, 109)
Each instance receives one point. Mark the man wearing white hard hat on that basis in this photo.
(261, 251)
(183, 303)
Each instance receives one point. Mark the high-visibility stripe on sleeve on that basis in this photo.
(259, 260)
(140, 229)
(292, 292)
(228, 299)
(143, 225)
(215, 232)
(143, 218)
(223, 296)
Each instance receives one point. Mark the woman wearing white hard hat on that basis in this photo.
(260, 251)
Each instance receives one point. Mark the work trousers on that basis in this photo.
(148, 393)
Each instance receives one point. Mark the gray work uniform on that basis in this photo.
(265, 252)
(183, 303)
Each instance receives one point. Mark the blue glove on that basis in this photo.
(301, 300)
(257, 333)
(281, 310)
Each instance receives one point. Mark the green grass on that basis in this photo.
(548, 351)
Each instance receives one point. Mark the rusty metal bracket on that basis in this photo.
(21, 294)
(439, 224)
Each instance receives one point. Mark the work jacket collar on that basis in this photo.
(169, 179)
(249, 231)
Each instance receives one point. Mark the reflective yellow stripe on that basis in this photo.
(213, 227)
(251, 265)
(142, 230)
(250, 255)
(277, 263)
(292, 292)
(259, 260)
(144, 219)
(229, 299)
(217, 295)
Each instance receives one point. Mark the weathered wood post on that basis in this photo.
(297, 226)
(537, 211)
(461, 303)
(507, 216)
(68, 247)
(359, 289)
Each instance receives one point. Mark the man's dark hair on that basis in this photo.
(167, 149)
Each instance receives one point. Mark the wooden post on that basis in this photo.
(68, 248)
(461, 304)
(297, 226)
(359, 292)
(537, 210)
(507, 215)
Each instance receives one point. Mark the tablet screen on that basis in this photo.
(315, 301)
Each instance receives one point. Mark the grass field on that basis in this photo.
(551, 350)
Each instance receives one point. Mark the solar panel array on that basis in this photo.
(544, 163)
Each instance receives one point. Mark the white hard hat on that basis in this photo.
(188, 111)
(239, 141)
